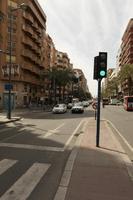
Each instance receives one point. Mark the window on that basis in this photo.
(12, 57)
(13, 17)
(12, 4)
(13, 46)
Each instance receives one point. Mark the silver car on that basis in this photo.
(77, 108)
(59, 108)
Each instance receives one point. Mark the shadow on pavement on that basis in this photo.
(98, 173)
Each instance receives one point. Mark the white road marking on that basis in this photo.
(65, 180)
(13, 136)
(124, 140)
(6, 129)
(22, 188)
(70, 138)
(31, 147)
(5, 164)
(51, 132)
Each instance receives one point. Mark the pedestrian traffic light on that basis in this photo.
(95, 74)
(102, 65)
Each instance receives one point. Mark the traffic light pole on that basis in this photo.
(98, 114)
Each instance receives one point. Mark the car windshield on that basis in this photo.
(59, 105)
(77, 104)
(130, 99)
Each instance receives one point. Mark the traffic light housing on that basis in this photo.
(102, 65)
(96, 61)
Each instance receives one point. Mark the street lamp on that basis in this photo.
(22, 6)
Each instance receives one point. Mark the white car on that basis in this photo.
(85, 103)
(77, 108)
(59, 108)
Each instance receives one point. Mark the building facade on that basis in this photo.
(126, 54)
(26, 55)
(81, 85)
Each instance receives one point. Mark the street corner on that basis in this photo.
(4, 119)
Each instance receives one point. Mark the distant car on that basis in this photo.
(119, 103)
(77, 108)
(69, 105)
(59, 108)
(85, 103)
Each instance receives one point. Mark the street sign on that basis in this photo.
(8, 86)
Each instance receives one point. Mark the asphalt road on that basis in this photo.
(33, 153)
(122, 122)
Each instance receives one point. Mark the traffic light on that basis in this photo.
(102, 65)
(95, 75)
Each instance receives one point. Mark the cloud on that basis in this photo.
(84, 28)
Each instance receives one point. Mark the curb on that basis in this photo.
(126, 159)
(11, 120)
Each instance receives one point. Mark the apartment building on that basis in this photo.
(126, 53)
(49, 63)
(27, 28)
(81, 81)
(62, 60)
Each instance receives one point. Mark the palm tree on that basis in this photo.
(63, 79)
(58, 78)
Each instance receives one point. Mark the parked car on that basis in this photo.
(77, 108)
(59, 108)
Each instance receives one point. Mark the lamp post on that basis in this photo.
(22, 6)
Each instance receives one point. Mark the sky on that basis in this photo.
(83, 28)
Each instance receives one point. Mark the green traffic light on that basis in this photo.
(102, 73)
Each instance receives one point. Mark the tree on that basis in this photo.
(111, 89)
(59, 78)
(63, 80)
(126, 73)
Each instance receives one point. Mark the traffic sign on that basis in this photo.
(8, 86)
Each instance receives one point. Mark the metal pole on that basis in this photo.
(10, 65)
(54, 91)
(95, 113)
(98, 114)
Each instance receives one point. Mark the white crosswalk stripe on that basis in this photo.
(5, 164)
(23, 187)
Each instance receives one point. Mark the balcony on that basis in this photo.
(27, 42)
(35, 71)
(26, 66)
(31, 79)
(34, 37)
(28, 17)
(26, 53)
(27, 29)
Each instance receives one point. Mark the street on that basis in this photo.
(121, 122)
(33, 153)
(34, 150)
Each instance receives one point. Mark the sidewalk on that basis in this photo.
(4, 119)
(93, 173)
(16, 113)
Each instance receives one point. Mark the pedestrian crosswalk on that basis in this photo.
(24, 186)
(5, 164)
